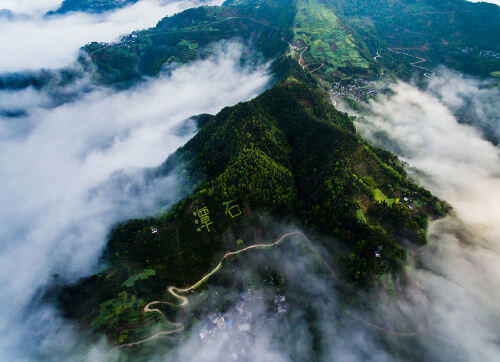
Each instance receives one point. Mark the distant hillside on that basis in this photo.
(91, 6)
(334, 39)
(306, 30)
(189, 36)
(461, 34)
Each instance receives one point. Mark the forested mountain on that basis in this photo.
(288, 155)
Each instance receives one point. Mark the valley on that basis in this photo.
(259, 180)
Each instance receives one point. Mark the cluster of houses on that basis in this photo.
(108, 4)
(407, 201)
(481, 53)
(240, 318)
(489, 54)
(356, 89)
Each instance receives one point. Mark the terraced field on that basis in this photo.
(328, 41)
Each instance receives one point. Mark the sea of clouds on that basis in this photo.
(70, 171)
(29, 40)
(496, 2)
(460, 278)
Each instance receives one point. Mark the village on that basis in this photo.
(481, 53)
(241, 318)
(356, 89)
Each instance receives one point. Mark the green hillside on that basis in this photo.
(334, 39)
(288, 154)
(328, 43)
(337, 39)
(188, 36)
(284, 160)
(269, 27)
(458, 33)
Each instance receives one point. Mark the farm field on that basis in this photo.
(328, 41)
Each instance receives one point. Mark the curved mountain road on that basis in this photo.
(177, 293)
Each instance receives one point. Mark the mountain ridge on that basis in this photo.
(252, 154)
(288, 156)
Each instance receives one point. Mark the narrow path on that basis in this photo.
(430, 73)
(147, 309)
(302, 63)
(158, 335)
(184, 301)
(301, 60)
(315, 69)
(177, 293)
(432, 12)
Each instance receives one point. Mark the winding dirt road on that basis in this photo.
(427, 72)
(177, 293)
(184, 301)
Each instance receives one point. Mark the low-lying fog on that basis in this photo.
(30, 41)
(69, 172)
(460, 277)
(450, 307)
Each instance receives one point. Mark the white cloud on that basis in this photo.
(30, 7)
(53, 42)
(460, 166)
(459, 288)
(20, 100)
(474, 101)
(58, 193)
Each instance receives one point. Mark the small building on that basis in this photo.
(213, 317)
(244, 327)
(220, 322)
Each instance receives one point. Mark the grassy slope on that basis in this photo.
(328, 40)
